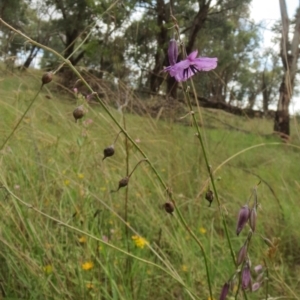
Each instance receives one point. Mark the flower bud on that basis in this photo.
(78, 112)
(173, 52)
(252, 218)
(224, 291)
(256, 286)
(246, 277)
(242, 254)
(209, 196)
(242, 218)
(109, 151)
(169, 207)
(258, 268)
(47, 77)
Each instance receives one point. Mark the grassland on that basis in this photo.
(64, 235)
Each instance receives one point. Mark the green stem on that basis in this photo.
(21, 119)
(199, 135)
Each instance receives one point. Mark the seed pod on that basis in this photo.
(109, 151)
(122, 183)
(209, 196)
(78, 113)
(169, 207)
(47, 77)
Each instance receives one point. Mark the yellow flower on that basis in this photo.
(87, 266)
(48, 269)
(202, 230)
(66, 182)
(89, 286)
(139, 241)
(82, 240)
(103, 188)
(80, 175)
(184, 268)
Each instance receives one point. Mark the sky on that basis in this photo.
(268, 12)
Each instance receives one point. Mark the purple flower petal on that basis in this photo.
(188, 67)
(206, 63)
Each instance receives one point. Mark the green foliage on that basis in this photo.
(55, 165)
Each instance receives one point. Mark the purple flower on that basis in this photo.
(188, 67)
(243, 217)
(224, 291)
(173, 52)
(246, 277)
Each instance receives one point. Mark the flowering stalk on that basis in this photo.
(199, 135)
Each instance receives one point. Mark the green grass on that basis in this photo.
(55, 165)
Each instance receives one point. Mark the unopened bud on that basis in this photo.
(173, 52)
(252, 219)
(169, 207)
(242, 218)
(47, 77)
(224, 291)
(122, 183)
(246, 277)
(242, 255)
(256, 286)
(109, 151)
(78, 112)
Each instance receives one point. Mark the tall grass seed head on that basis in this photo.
(47, 77)
(243, 217)
(109, 151)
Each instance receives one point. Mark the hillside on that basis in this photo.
(57, 208)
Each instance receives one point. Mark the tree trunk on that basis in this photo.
(156, 77)
(289, 52)
(33, 53)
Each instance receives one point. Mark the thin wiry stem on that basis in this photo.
(21, 119)
(199, 135)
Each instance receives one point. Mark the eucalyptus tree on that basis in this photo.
(289, 53)
(13, 12)
(223, 34)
